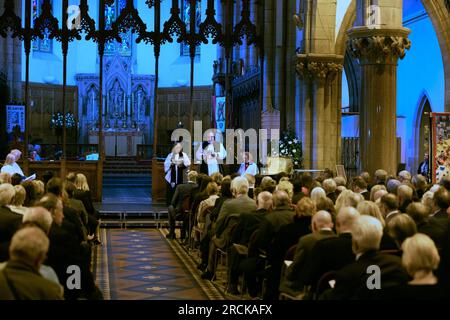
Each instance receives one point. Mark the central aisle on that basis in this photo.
(142, 265)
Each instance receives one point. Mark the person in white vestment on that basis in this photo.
(210, 153)
(248, 167)
(176, 162)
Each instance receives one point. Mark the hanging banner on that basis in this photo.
(220, 109)
(441, 145)
(15, 118)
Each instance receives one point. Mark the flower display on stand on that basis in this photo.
(290, 147)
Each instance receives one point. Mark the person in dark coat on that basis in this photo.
(352, 280)
(20, 279)
(9, 221)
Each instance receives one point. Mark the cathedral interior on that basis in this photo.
(361, 85)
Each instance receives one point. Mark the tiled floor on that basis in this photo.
(141, 264)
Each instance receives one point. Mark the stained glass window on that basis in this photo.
(111, 14)
(186, 17)
(46, 44)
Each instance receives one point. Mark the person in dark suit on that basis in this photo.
(441, 202)
(282, 214)
(359, 185)
(20, 279)
(83, 193)
(430, 226)
(405, 197)
(240, 203)
(247, 224)
(400, 228)
(299, 269)
(182, 192)
(285, 238)
(333, 253)
(329, 185)
(72, 221)
(424, 167)
(66, 250)
(389, 206)
(9, 221)
(352, 280)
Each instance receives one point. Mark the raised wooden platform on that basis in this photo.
(93, 170)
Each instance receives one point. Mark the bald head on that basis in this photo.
(321, 220)
(264, 200)
(345, 219)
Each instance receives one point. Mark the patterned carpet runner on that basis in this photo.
(141, 264)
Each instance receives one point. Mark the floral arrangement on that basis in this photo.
(290, 147)
(57, 120)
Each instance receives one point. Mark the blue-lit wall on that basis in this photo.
(82, 57)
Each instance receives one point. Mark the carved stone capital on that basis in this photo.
(318, 67)
(378, 46)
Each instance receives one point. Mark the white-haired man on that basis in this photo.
(9, 221)
(41, 218)
(20, 279)
(228, 216)
(17, 154)
(352, 281)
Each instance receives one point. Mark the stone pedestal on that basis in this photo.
(378, 51)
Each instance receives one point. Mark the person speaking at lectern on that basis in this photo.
(176, 162)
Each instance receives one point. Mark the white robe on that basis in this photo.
(213, 164)
(168, 162)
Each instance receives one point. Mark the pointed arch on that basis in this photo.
(421, 121)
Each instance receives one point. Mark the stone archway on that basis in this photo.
(421, 125)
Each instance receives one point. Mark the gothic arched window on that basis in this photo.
(46, 44)
(111, 14)
(186, 17)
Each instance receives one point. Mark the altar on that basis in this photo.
(119, 143)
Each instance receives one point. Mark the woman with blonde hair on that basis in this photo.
(18, 200)
(8, 166)
(287, 187)
(40, 188)
(348, 198)
(420, 259)
(369, 208)
(83, 194)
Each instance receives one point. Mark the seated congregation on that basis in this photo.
(303, 238)
(47, 232)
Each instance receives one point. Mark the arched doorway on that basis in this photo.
(422, 128)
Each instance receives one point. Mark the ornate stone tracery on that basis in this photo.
(379, 47)
(310, 67)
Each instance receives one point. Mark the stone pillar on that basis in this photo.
(11, 57)
(318, 114)
(378, 51)
(270, 118)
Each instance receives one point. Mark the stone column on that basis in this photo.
(318, 115)
(378, 51)
(11, 56)
(270, 118)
